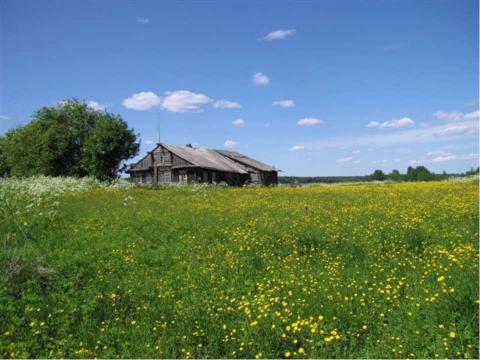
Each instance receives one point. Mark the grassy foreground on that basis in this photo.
(363, 271)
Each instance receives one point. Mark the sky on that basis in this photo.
(327, 87)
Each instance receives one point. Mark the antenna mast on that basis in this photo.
(158, 124)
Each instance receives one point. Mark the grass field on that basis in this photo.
(357, 271)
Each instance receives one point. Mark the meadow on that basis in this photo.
(344, 271)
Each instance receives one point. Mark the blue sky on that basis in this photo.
(314, 88)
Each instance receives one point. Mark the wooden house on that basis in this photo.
(176, 164)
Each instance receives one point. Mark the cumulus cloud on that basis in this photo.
(448, 115)
(184, 101)
(311, 121)
(395, 123)
(438, 153)
(174, 101)
(297, 148)
(452, 130)
(446, 157)
(456, 115)
(230, 144)
(238, 122)
(143, 20)
(4, 117)
(428, 134)
(142, 101)
(149, 142)
(474, 115)
(260, 79)
(225, 104)
(284, 103)
(278, 34)
(94, 105)
(348, 160)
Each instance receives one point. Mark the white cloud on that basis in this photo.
(395, 123)
(297, 148)
(445, 158)
(456, 115)
(230, 144)
(225, 104)
(143, 20)
(184, 101)
(278, 34)
(448, 115)
(348, 160)
(435, 133)
(452, 130)
(260, 79)
(142, 101)
(238, 122)
(474, 115)
(309, 121)
(284, 103)
(4, 117)
(94, 105)
(438, 153)
(356, 152)
(149, 142)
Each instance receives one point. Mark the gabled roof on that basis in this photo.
(246, 160)
(206, 158)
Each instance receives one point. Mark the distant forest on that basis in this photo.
(419, 173)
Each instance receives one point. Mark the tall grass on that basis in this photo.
(352, 271)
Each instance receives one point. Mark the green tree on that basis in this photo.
(420, 173)
(68, 139)
(395, 175)
(378, 175)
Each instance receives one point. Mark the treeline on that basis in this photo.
(419, 173)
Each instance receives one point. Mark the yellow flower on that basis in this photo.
(364, 327)
(254, 323)
(301, 350)
(133, 322)
(441, 278)
(452, 334)
(288, 354)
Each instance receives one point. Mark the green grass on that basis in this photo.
(366, 271)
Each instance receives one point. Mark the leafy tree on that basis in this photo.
(395, 175)
(472, 171)
(378, 175)
(68, 139)
(420, 173)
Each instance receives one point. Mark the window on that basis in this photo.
(254, 177)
